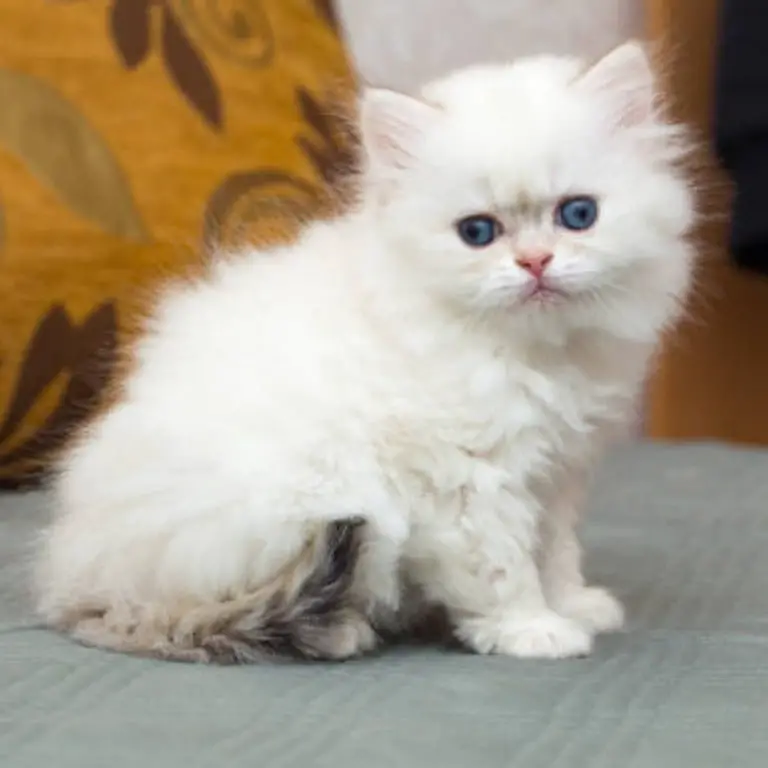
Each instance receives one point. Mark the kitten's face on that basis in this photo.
(536, 190)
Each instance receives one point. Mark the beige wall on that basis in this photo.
(402, 43)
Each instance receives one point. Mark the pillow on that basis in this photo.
(133, 134)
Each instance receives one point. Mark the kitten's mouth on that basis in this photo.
(543, 293)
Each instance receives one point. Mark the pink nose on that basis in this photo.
(535, 263)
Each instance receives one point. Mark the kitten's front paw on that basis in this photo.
(545, 635)
(594, 608)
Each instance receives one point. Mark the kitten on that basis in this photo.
(411, 393)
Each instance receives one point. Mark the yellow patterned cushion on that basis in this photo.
(132, 132)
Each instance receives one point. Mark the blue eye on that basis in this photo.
(577, 213)
(478, 231)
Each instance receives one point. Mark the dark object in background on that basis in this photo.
(741, 125)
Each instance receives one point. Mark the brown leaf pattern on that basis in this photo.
(333, 148)
(131, 30)
(55, 141)
(44, 360)
(189, 71)
(58, 347)
(327, 9)
(238, 30)
(266, 198)
(129, 22)
(274, 201)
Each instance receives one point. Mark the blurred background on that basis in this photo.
(135, 132)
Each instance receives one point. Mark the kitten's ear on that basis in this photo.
(393, 125)
(625, 82)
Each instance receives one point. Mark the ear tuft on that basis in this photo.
(392, 126)
(624, 80)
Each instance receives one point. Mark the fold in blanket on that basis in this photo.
(741, 125)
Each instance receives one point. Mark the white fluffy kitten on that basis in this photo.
(408, 395)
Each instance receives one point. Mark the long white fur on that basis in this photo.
(381, 368)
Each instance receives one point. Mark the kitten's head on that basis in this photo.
(543, 190)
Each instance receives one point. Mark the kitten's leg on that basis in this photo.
(376, 588)
(483, 570)
(561, 567)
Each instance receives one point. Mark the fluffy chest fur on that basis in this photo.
(524, 412)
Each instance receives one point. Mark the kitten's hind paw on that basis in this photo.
(348, 639)
(545, 635)
(595, 608)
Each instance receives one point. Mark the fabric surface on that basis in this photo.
(681, 533)
(131, 133)
(741, 125)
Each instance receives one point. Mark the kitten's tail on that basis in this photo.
(306, 611)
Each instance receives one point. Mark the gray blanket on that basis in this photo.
(681, 534)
